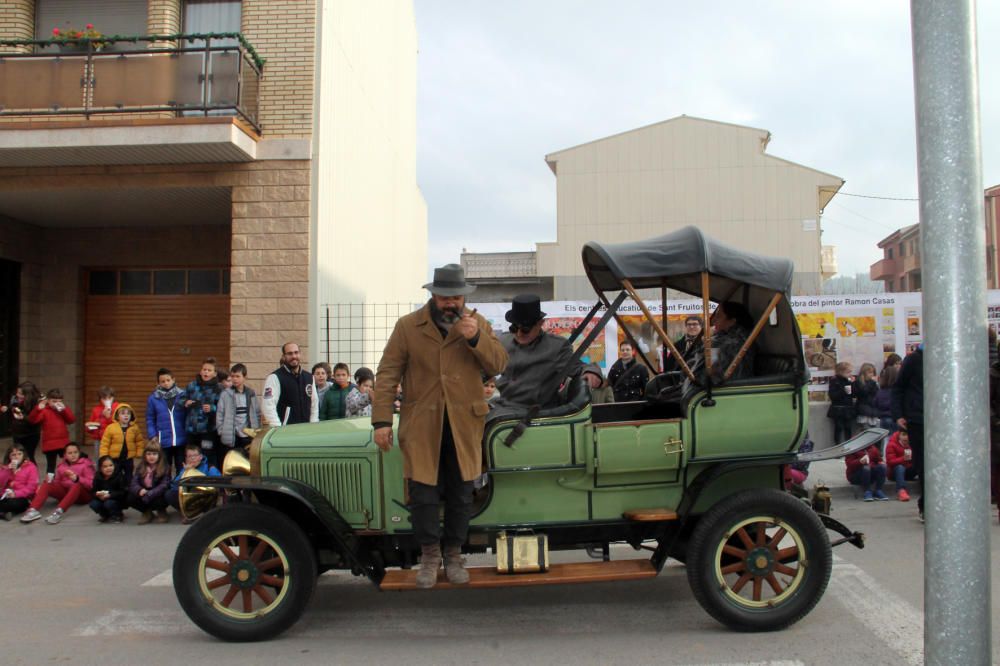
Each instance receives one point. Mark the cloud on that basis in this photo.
(503, 84)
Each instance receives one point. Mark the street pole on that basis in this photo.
(952, 230)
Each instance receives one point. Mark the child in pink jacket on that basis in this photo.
(73, 481)
(18, 482)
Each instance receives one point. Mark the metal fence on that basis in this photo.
(355, 333)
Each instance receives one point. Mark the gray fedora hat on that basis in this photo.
(449, 280)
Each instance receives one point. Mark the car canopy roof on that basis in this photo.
(676, 260)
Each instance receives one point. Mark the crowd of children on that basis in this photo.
(140, 468)
(865, 401)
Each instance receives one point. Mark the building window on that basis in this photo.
(889, 251)
(902, 249)
(109, 17)
(902, 284)
(159, 282)
(203, 16)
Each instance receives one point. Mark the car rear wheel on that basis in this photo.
(759, 560)
(244, 572)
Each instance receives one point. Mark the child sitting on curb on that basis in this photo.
(110, 491)
(899, 457)
(193, 459)
(71, 485)
(866, 470)
(150, 481)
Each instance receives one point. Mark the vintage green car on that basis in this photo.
(693, 473)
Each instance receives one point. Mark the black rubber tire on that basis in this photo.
(710, 534)
(270, 523)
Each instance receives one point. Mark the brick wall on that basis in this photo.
(163, 17)
(17, 21)
(284, 33)
(270, 264)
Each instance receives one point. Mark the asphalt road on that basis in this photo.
(84, 593)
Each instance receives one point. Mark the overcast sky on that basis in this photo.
(502, 84)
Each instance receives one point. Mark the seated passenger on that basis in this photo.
(600, 392)
(732, 324)
(538, 362)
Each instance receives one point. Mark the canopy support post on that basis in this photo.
(659, 329)
(706, 331)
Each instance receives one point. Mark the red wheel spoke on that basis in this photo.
(230, 595)
(734, 551)
(269, 564)
(264, 595)
(758, 583)
(781, 568)
(228, 552)
(778, 536)
(247, 601)
(744, 579)
(244, 547)
(761, 534)
(735, 567)
(745, 538)
(786, 553)
(218, 582)
(775, 585)
(218, 566)
(258, 552)
(273, 581)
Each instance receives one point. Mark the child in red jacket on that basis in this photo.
(866, 469)
(52, 415)
(18, 481)
(899, 458)
(71, 485)
(102, 415)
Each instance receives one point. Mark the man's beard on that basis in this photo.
(448, 315)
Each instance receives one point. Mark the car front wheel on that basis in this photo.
(759, 560)
(244, 572)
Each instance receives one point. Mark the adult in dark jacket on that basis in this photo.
(290, 394)
(908, 410)
(688, 344)
(538, 362)
(23, 431)
(627, 376)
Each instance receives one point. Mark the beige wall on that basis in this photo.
(17, 21)
(370, 220)
(685, 171)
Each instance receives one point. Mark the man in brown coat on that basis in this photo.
(438, 353)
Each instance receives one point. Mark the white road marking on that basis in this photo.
(889, 616)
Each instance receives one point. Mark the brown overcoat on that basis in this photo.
(438, 374)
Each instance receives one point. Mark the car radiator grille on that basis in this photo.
(343, 483)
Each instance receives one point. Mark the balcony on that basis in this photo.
(168, 99)
(884, 269)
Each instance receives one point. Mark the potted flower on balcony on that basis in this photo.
(73, 39)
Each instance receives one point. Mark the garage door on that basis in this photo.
(137, 322)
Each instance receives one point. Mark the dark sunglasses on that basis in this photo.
(514, 328)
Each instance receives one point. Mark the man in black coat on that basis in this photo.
(908, 411)
(688, 344)
(628, 377)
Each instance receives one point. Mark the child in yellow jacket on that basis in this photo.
(122, 440)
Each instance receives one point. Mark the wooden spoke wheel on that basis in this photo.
(244, 572)
(759, 560)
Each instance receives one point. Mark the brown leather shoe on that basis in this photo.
(146, 518)
(162, 517)
(454, 566)
(430, 562)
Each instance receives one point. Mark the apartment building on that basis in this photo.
(202, 190)
(900, 268)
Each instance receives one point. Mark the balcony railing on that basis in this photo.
(188, 75)
(883, 269)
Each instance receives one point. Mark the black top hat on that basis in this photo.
(525, 310)
(449, 280)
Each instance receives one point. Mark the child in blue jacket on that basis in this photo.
(166, 416)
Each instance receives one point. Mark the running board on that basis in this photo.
(558, 574)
